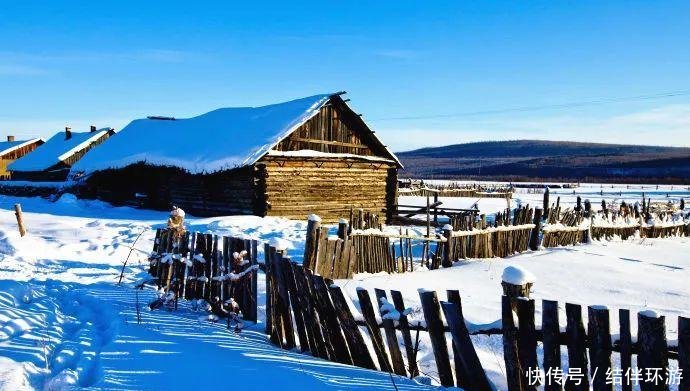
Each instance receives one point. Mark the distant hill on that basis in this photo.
(549, 160)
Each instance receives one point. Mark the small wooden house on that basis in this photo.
(310, 155)
(12, 150)
(52, 161)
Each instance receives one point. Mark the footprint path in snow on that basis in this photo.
(56, 328)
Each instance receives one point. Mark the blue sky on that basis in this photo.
(462, 66)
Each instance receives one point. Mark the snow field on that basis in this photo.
(69, 262)
(60, 305)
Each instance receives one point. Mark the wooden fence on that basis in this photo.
(466, 192)
(589, 350)
(203, 266)
(307, 312)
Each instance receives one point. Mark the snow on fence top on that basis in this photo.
(221, 139)
(55, 150)
(517, 276)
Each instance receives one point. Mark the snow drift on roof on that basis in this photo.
(221, 139)
(55, 150)
(9, 146)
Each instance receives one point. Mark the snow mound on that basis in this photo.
(517, 276)
(280, 244)
(650, 314)
(314, 217)
(13, 375)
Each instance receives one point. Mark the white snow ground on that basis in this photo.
(65, 323)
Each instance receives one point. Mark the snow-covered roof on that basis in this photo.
(221, 139)
(55, 150)
(9, 146)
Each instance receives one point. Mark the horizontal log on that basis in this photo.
(326, 142)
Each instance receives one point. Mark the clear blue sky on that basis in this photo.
(91, 62)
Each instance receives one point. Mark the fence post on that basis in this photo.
(552, 345)
(684, 352)
(434, 324)
(534, 239)
(282, 302)
(407, 336)
(343, 228)
(527, 342)
(448, 246)
(391, 337)
(317, 340)
(360, 353)
(652, 349)
(577, 347)
(510, 345)
(373, 328)
(293, 295)
(20, 219)
(313, 225)
(625, 345)
(468, 368)
(599, 331)
(330, 322)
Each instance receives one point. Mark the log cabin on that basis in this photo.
(310, 155)
(52, 161)
(12, 150)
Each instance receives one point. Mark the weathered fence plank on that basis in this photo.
(652, 350)
(625, 347)
(330, 319)
(282, 304)
(434, 324)
(684, 352)
(358, 348)
(472, 376)
(551, 343)
(391, 336)
(316, 339)
(527, 342)
(599, 331)
(510, 345)
(577, 348)
(295, 304)
(373, 328)
(405, 331)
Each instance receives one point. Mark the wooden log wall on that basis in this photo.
(15, 154)
(231, 192)
(200, 266)
(327, 131)
(329, 188)
(589, 347)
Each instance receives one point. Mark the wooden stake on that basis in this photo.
(20, 219)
